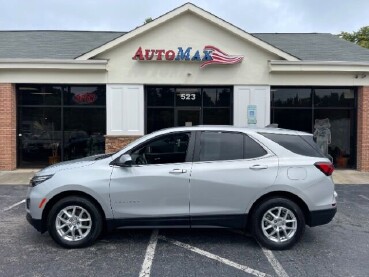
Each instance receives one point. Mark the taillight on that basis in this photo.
(325, 167)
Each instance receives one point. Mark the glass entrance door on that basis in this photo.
(39, 136)
(187, 117)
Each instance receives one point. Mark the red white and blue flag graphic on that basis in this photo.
(220, 57)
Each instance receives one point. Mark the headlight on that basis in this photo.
(39, 179)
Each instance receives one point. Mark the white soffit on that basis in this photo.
(99, 65)
(317, 66)
(178, 11)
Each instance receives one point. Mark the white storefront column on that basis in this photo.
(125, 115)
(245, 97)
(125, 110)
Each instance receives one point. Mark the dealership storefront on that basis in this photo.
(185, 68)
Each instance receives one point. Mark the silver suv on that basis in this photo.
(269, 181)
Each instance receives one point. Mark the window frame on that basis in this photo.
(197, 149)
(189, 152)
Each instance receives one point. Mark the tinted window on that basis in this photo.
(166, 149)
(291, 97)
(213, 116)
(159, 118)
(39, 95)
(216, 97)
(334, 97)
(293, 119)
(302, 145)
(252, 149)
(217, 146)
(163, 96)
(85, 96)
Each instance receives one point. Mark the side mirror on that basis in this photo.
(125, 160)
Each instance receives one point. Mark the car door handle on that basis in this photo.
(178, 170)
(258, 167)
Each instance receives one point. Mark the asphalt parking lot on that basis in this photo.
(340, 248)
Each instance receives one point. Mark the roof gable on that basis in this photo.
(189, 7)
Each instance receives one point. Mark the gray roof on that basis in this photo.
(51, 44)
(72, 44)
(316, 47)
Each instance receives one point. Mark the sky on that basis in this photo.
(254, 16)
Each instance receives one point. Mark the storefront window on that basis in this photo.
(334, 98)
(330, 116)
(217, 97)
(159, 118)
(85, 96)
(163, 96)
(58, 123)
(292, 97)
(84, 131)
(40, 95)
(187, 106)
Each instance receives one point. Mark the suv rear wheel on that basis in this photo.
(74, 222)
(278, 223)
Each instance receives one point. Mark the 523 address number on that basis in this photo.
(187, 96)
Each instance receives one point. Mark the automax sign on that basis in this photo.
(209, 55)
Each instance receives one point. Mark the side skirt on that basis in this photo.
(201, 221)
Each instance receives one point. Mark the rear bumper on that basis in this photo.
(36, 223)
(321, 217)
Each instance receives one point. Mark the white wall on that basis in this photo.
(125, 109)
(187, 30)
(251, 95)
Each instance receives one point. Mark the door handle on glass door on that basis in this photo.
(177, 170)
(258, 167)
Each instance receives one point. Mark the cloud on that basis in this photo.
(120, 15)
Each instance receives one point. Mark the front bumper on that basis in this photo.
(36, 223)
(321, 217)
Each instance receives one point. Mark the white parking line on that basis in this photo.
(274, 262)
(14, 205)
(215, 257)
(363, 196)
(149, 256)
(270, 256)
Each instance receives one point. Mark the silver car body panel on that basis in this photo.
(150, 190)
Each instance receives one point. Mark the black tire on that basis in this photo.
(95, 224)
(285, 242)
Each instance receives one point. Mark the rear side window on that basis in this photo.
(221, 146)
(218, 146)
(302, 145)
(252, 149)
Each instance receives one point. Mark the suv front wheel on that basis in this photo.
(278, 223)
(74, 222)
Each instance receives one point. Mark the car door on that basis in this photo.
(155, 189)
(229, 169)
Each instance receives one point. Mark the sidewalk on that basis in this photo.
(22, 177)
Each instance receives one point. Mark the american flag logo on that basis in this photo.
(220, 57)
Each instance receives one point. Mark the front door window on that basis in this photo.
(166, 149)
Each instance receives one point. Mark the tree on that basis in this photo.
(147, 20)
(360, 37)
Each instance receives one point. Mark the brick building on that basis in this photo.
(69, 94)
